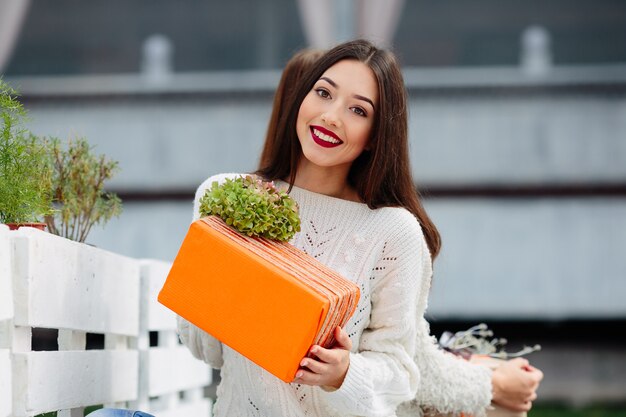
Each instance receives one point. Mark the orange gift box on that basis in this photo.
(265, 299)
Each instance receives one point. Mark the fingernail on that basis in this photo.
(313, 350)
(303, 362)
(299, 375)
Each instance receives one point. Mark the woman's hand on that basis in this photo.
(515, 384)
(328, 367)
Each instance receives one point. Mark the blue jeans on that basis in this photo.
(118, 412)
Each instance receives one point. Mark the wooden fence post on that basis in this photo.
(171, 380)
(6, 324)
(75, 289)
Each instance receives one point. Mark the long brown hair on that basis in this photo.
(296, 67)
(380, 175)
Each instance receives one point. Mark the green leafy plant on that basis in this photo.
(25, 171)
(78, 194)
(253, 207)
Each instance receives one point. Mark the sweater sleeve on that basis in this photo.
(450, 384)
(201, 344)
(382, 373)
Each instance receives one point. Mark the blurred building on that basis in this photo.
(518, 142)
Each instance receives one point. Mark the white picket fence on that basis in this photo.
(53, 283)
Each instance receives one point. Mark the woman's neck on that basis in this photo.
(331, 181)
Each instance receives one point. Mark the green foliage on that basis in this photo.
(594, 410)
(78, 190)
(253, 207)
(25, 171)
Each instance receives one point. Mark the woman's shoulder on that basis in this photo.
(399, 219)
(219, 178)
(400, 227)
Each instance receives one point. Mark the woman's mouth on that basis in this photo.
(324, 137)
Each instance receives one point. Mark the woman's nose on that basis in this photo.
(331, 118)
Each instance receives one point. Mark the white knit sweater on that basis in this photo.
(384, 252)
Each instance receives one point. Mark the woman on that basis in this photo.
(333, 152)
(458, 385)
(341, 147)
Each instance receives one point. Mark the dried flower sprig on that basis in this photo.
(475, 341)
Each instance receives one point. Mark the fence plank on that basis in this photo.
(74, 412)
(158, 316)
(6, 293)
(6, 392)
(167, 369)
(48, 381)
(63, 284)
(72, 340)
(174, 369)
(6, 314)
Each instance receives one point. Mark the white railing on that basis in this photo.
(53, 283)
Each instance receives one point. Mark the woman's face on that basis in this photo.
(336, 117)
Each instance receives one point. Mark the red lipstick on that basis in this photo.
(324, 137)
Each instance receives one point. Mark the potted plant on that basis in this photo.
(78, 196)
(25, 171)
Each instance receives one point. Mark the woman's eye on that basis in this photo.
(322, 93)
(359, 111)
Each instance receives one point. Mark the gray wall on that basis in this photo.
(524, 257)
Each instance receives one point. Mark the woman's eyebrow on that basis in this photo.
(334, 84)
(365, 99)
(329, 81)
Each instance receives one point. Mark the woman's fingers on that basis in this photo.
(313, 372)
(536, 374)
(313, 365)
(515, 383)
(325, 355)
(326, 367)
(532, 397)
(343, 340)
(521, 362)
(307, 377)
(332, 355)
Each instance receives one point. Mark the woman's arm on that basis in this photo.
(201, 344)
(452, 385)
(382, 373)
(449, 384)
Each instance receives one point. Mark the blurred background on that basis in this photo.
(517, 128)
